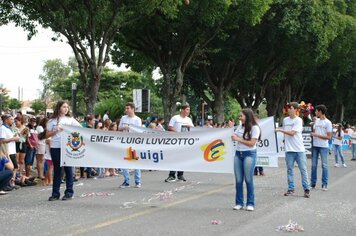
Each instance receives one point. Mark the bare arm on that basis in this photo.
(249, 143)
(290, 133)
(327, 136)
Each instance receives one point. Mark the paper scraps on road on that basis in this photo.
(216, 222)
(292, 226)
(98, 194)
(160, 196)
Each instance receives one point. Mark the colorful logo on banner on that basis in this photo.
(75, 141)
(214, 151)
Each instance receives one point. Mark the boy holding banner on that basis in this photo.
(294, 148)
(179, 123)
(128, 120)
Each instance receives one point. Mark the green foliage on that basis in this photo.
(14, 104)
(38, 106)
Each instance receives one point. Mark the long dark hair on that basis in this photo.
(249, 123)
(55, 114)
(339, 128)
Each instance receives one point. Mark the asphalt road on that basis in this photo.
(189, 208)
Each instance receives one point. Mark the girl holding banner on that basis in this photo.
(247, 134)
(59, 118)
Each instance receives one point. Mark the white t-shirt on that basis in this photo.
(336, 135)
(293, 143)
(6, 133)
(52, 125)
(130, 121)
(255, 133)
(39, 130)
(181, 124)
(353, 135)
(322, 127)
(105, 117)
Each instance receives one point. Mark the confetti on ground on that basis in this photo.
(290, 227)
(99, 194)
(216, 222)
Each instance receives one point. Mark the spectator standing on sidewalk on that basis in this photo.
(338, 136)
(9, 138)
(353, 143)
(294, 149)
(322, 133)
(179, 123)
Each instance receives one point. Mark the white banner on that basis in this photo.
(200, 151)
(267, 146)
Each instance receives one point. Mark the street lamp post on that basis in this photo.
(74, 99)
(202, 113)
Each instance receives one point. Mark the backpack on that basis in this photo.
(33, 139)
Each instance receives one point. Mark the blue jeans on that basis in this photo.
(324, 165)
(127, 176)
(56, 159)
(337, 152)
(353, 150)
(301, 160)
(244, 165)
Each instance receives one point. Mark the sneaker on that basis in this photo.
(324, 188)
(52, 198)
(181, 178)
(344, 165)
(307, 193)
(138, 186)
(336, 165)
(238, 207)
(125, 185)
(170, 179)
(250, 208)
(289, 193)
(67, 197)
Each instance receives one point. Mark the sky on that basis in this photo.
(21, 61)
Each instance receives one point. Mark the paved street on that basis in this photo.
(160, 208)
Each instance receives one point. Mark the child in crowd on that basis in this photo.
(49, 173)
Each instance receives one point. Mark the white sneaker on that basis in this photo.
(250, 208)
(324, 188)
(336, 165)
(238, 207)
(344, 165)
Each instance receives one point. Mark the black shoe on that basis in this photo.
(64, 198)
(312, 186)
(170, 179)
(75, 180)
(307, 193)
(8, 188)
(52, 198)
(181, 178)
(289, 193)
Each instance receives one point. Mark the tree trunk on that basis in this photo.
(91, 92)
(169, 99)
(218, 106)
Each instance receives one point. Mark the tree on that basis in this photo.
(14, 104)
(38, 106)
(172, 42)
(89, 26)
